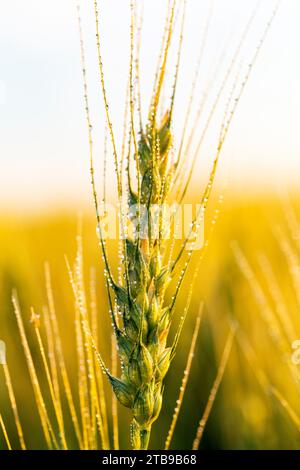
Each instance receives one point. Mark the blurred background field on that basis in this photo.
(246, 415)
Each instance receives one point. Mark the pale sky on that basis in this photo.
(43, 144)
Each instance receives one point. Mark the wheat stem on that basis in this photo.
(214, 390)
(114, 371)
(36, 323)
(14, 406)
(184, 382)
(2, 425)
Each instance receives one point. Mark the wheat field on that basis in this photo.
(167, 317)
(246, 413)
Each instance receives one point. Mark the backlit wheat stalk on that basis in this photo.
(143, 296)
(144, 348)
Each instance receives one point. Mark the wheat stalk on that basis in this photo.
(146, 315)
(141, 305)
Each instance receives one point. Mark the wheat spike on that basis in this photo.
(139, 297)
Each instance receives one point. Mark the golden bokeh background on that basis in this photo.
(246, 413)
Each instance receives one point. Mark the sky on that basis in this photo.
(43, 137)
